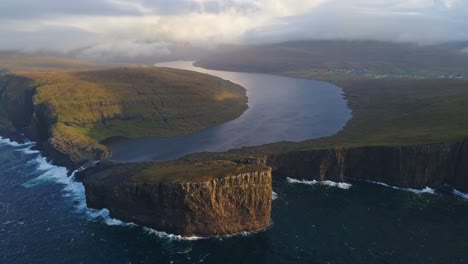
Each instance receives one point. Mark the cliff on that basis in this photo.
(223, 193)
(413, 166)
(213, 198)
(16, 106)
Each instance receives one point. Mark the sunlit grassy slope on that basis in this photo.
(137, 101)
(77, 110)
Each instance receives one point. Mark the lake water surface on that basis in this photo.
(280, 109)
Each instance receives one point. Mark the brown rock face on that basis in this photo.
(407, 166)
(220, 206)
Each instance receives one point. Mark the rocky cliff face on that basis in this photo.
(219, 206)
(20, 113)
(16, 103)
(406, 166)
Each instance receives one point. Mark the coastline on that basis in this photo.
(76, 189)
(330, 166)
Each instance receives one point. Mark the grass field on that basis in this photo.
(171, 171)
(183, 172)
(403, 111)
(137, 101)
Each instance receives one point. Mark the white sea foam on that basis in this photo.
(29, 150)
(73, 189)
(57, 174)
(9, 142)
(191, 238)
(419, 191)
(461, 194)
(274, 196)
(341, 185)
(76, 192)
(171, 236)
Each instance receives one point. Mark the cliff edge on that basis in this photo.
(189, 199)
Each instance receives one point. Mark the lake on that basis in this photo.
(280, 109)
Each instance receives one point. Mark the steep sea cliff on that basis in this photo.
(226, 205)
(416, 166)
(21, 114)
(242, 202)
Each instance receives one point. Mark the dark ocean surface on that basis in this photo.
(43, 219)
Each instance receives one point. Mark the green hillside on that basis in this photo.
(75, 110)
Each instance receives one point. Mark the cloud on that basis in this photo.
(133, 27)
(131, 49)
(417, 21)
(33, 9)
(52, 38)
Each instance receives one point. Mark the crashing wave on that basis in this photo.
(420, 191)
(460, 194)
(9, 142)
(274, 196)
(57, 174)
(341, 185)
(76, 192)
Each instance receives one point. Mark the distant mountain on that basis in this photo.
(174, 52)
(459, 45)
(358, 58)
(13, 60)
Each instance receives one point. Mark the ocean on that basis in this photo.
(44, 219)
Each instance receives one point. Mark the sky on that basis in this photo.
(139, 27)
